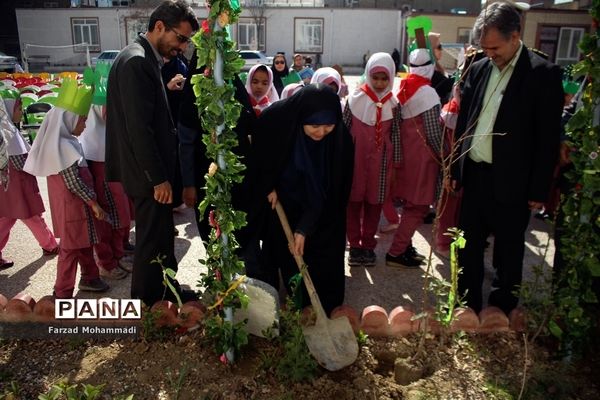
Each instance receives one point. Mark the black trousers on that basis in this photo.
(481, 215)
(153, 238)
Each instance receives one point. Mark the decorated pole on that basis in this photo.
(219, 112)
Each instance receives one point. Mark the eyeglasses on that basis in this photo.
(279, 62)
(181, 38)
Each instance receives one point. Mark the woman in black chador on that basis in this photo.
(304, 157)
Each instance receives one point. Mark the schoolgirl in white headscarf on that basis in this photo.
(417, 176)
(328, 76)
(372, 118)
(19, 193)
(110, 195)
(57, 154)
(259, 85)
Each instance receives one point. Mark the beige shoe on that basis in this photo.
(114, 274)
(388, 228)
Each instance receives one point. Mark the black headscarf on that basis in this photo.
(281, 141)
(277, 75)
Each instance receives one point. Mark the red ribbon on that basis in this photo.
(255, 104)
(212, 221)
(410, 85)
(379, 104)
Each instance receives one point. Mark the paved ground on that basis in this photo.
(380, 285)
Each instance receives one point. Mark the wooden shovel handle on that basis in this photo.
(310, 287)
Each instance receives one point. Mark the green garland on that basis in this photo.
(572, 320)
(219, 113)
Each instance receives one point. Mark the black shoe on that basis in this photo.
(128, 248)
(188, 295)
(5, 264)
(429, 218)
(95, 285)
(412, 251)
(370, 259)
(356, 257)
(543, 215)
(404, 260)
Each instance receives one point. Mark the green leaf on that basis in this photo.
(555, 329)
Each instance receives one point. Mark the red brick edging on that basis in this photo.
(374, 320)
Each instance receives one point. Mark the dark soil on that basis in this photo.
(494, 366)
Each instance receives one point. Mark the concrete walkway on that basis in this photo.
(379, 285)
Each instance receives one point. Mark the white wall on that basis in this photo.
(348, 33)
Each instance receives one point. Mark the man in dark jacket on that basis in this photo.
(509, 124)
(141, 142)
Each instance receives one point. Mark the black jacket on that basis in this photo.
(529, 115)
(140, 134)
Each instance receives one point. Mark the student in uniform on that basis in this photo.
(372, 117)
(19, 193)
(56, 154)
(416, 179)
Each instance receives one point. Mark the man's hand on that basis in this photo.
(564, 158)
(535, 205)
(298, 249)
(176, 83)
(163, 193)
(450, 185)
(272, 197)
(189, 196)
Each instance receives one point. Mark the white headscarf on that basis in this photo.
(327, 75)
(4, 122)
(291, 89)
(55, 148)
(15, 144)
(93, 137)
(360, 103)
(271, 95)
(421, 63)
(425, 97)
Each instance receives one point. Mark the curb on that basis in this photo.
(373, 320)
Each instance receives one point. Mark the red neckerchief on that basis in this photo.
(256, 104)
(410, 85)
(379, 104)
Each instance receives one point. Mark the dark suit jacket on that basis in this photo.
(529, 114)
(140, 135)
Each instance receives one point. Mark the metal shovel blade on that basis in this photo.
(331, 342)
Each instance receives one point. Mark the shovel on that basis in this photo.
(331, 342)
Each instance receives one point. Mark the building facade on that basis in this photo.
(64, 37)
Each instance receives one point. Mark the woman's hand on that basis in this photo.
(298, 249)
(272, 197)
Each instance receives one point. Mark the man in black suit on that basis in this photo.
(509, 124)
(141, 142)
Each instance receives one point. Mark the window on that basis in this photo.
(464, 35)
(85, 30)
(251, 36)
(568, 52)
(560, 43)
(308, 35)
(135, 26)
